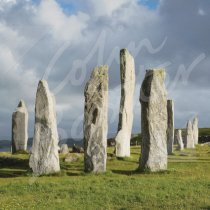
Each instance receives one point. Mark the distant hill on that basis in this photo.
(5, 145)
(70, 142)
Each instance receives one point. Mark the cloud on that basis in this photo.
(107, 7)
(6, 3)
(201, 12)
(42, 39)
(63, 27)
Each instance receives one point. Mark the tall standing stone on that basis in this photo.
(20, 128)
(195, 130)
(179, 140)
(189, 138)
(154, 121)
(95, 121)
(44, 158)
(170, 129)
(127, 72)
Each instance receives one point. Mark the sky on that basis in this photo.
(62, 41)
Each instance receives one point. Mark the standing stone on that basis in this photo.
(189, 138)
(195, 130)
(170, 129)
(154, 121)
(179, 140)
(44, 158)
(95, 121)
(20, 128)
(127, 72)
(64, 150)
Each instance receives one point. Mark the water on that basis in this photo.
(5, 149)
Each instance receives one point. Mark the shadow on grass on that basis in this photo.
(12, 174)
(10, 162)
(125, 172)
(126, 159)
(75, 173)
(139, 171)
(13, 167)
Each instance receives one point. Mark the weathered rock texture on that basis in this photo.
(44, 158)
(189, 138)
(170, 129)
(127, 72)
(95, 121)
(20, 128)
(195, 130)
(64, 149)
(178, 136)
(154, 121)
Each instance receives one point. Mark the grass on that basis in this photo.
(186, 184)
(204, 131)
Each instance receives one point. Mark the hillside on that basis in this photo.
(184, 186)
(204, 134)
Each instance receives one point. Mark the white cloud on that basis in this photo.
(6, 3)
(25, 52)
(63, 27)
(107, 7)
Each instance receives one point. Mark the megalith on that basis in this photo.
(170, 128)
(44, 158)
(195, 130)
(189, 138)
(95, 121)
(179, 140)
(64, 149)
(20, 128)
(127, 72)
(154, 121)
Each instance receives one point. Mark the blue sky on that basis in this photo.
(71, 6)
(151, 4)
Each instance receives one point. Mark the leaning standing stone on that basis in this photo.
(95, 121)
(189, 138)
(20, 128)
(44, 158)
(195, 130)
(127, 72)
(170, 129)
(179, 140)
(153, 100)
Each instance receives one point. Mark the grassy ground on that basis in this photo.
(204, 131)
(186, 184)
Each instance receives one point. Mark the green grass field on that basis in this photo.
(186, 184)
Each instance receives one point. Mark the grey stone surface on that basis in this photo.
(44, 158)
(154, 121)
(127, 72)
(20, 128)
(170, 129)
(189, 138)
(95, 121)
(64, 149)
(179, 139)
(195, 130)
